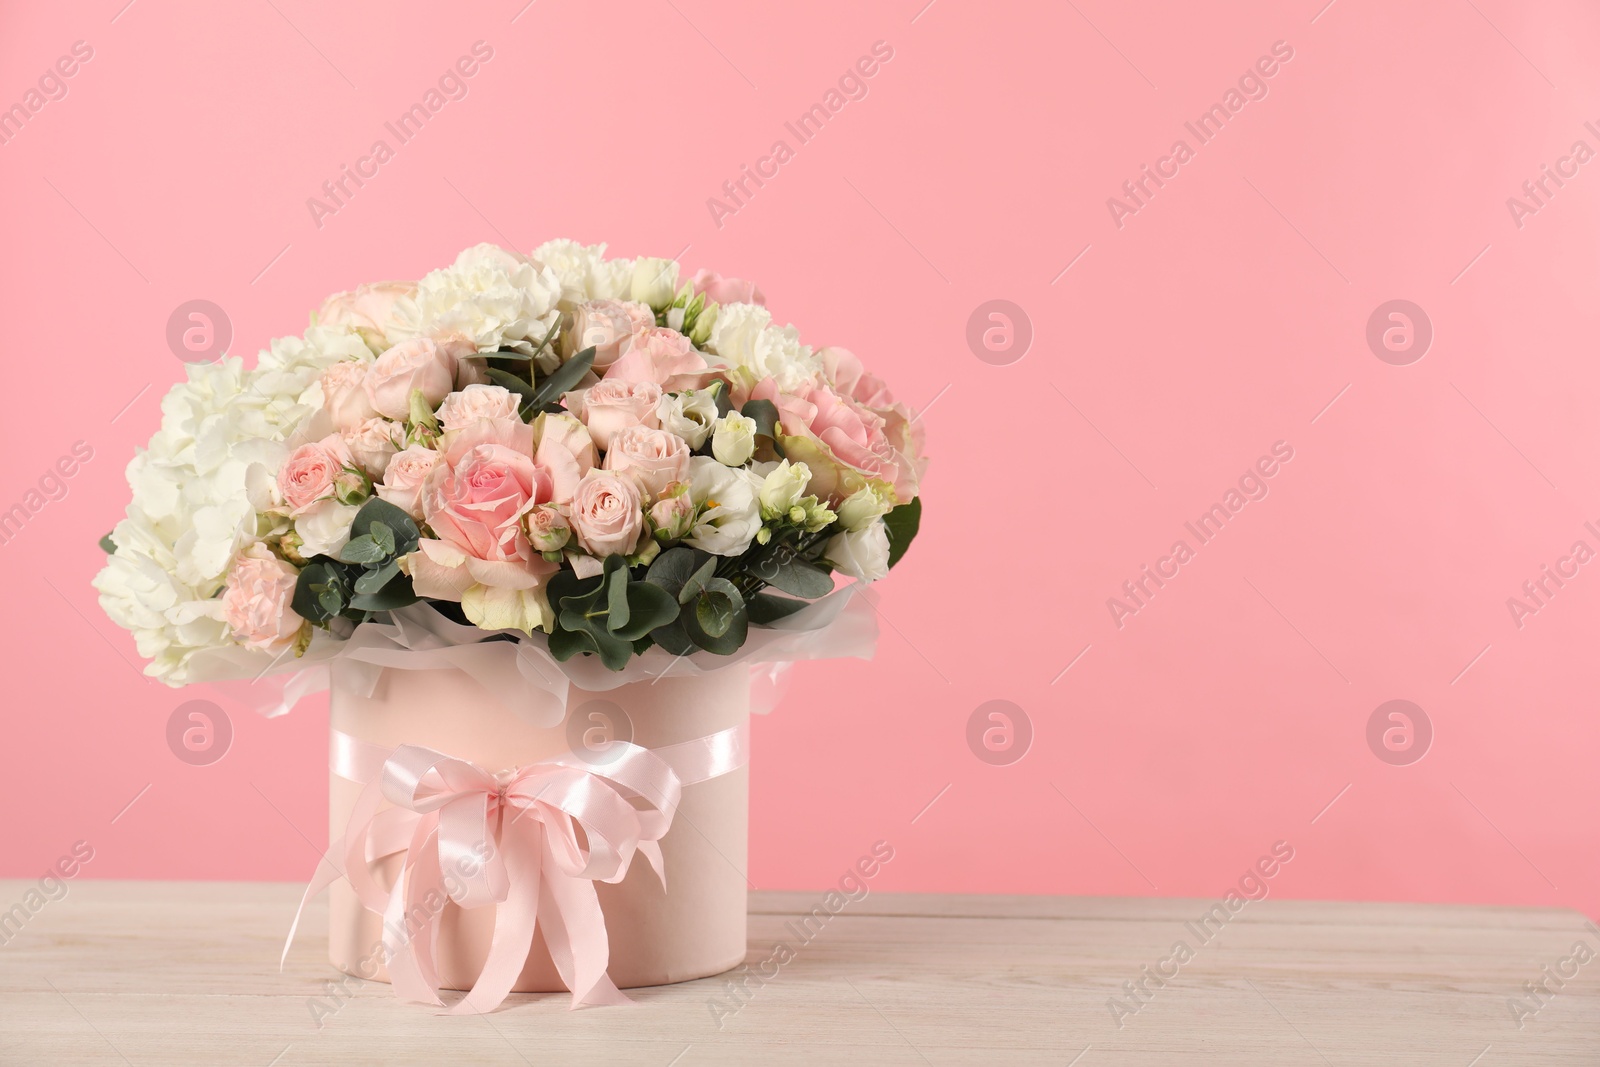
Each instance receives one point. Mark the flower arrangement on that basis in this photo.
(556, 448)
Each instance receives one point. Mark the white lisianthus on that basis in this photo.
(864, 507)
(690, 415)
(861, 554)
(655, 281)
(745, 340)
(733, 439)
(491, 297)
(782, 489)
(727, 508)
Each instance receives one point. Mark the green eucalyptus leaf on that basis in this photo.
(617, 599)
(765, 415)
(402, 529)
(673, 568)
(362, 550)
(766, 608)
(397, 593)
(510, 381)
(107, 545)
(793, 575)
(562, 379)
(649, 607)
(719, 622)
(902, 523)
(314, 580)
(697, 581)
(374, 580)
(564, 643)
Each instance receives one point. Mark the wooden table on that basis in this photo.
(186, 973)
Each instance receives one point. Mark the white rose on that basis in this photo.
(782, 488)
(655, 281)
(733, 439)
(862, 554)
(689, 415)
(477, 402)
(727, 510)
(863, 507)
(325, 529)
(745, 340)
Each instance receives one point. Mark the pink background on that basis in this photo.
(1223, 317)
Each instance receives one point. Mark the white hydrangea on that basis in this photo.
(198, 490)
(744, 339)
(489, 296)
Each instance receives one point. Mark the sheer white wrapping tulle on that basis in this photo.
(841, 624)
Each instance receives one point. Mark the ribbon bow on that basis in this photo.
(509, 840)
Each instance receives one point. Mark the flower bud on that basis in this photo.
(548, 529)
(782, 489)
(862, 508)
(733, 441)
(655, 281)
(673, 514)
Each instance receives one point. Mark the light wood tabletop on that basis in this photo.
(186, 973)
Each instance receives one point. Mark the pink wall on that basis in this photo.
(1168, 353)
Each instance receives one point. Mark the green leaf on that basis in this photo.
(374, 580)
(383, 536)
(766, 608)
(362, 550)
(616, 598)
(673, 568)
(765, 415)
(395, 594)
(793, 575)
(107, 545)
(719, 623)
(649, 607)
(719, 393)
(320, 575)
(510, 381)
(697, 581)
(902, 523)
(562, 379)
(564, 644)
(379, 512)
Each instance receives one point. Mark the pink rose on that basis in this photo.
(476, 402)
(474, 501)
(663, 356)
(256, 599)
(673, 515)
(902, 427)
(613, 404)
(404, 476)
(547, 528)
(558, 434)
(607, 515)
(654, 459)
(344, 394)
(419, 364)
(726, 290)
(606, 326)
(372, 443)
(312, 473)
(369, 309)
(843, 442)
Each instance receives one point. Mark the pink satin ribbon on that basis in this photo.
(508, 840)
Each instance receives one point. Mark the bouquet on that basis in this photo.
(586, 453)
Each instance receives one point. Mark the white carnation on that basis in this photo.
(491, 297)
(745, 340)
(584, 272)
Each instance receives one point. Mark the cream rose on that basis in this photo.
(372, 442)
(411, 365)
(404, 477)
(654, 459)
(607, 514)
(611, 406)
(312, 473)
(344, 394)
(475, 402)
(606, 326)
(733, 441)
